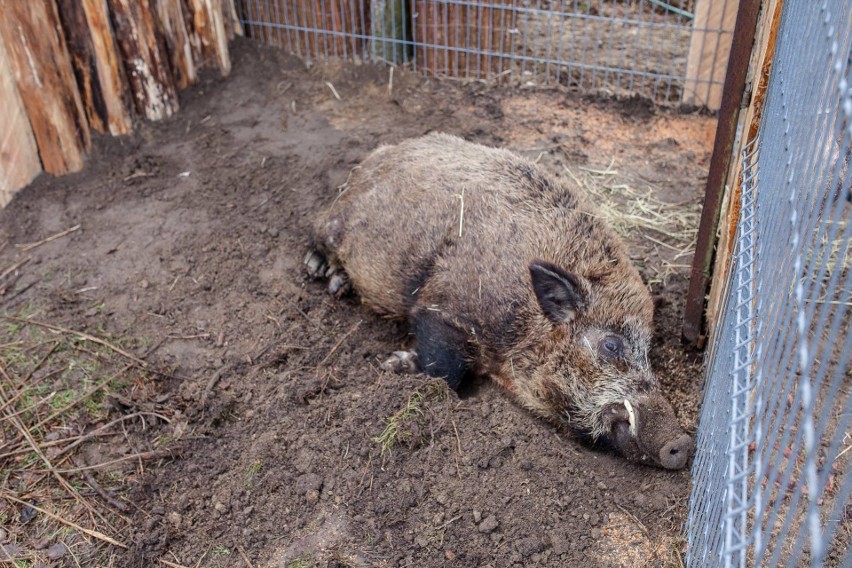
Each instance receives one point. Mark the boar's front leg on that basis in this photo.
(439, 350)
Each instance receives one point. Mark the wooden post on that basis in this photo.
(19, 162)
(760, 66)
(94, 55)
(145, 58)
(38, 57)
(209, 25)
(232, 20)
(709, 48)
(173, 23)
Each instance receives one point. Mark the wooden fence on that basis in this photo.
(68, 67)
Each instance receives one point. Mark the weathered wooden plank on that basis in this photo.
(233, 27)
(145, 56)
(38, 57)
(178, 41)
(209, 26)
(709, 48)
(97, 67)
(19, 162)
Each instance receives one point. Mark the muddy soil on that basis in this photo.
(191, 242)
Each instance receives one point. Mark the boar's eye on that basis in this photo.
(611, 347)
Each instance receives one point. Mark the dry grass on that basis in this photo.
(68, 402)
(636, 214)
(404, 425)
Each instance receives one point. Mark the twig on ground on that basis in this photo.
(81, 335)
(244, 556)
(97, 431)
(632, 516)
(81, 398)
(333, 90)
(153, 454)
(340, 342)
(90, 479)
(31, 246)
(27, 434)
(211, 384)
(93, 533)
(172, 564)
(14, 267)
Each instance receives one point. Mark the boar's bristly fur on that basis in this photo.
(506, 271)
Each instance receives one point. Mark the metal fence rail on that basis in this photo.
(771, 476)
(666, 50)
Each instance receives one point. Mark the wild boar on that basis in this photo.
(504, 271)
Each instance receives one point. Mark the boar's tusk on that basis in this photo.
(631, 416)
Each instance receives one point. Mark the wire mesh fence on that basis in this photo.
(666, 50)
(771, 474)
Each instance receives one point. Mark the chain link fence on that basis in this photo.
(771, 473)
(669, 51)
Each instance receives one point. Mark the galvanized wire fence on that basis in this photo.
(771, 473)
(666, 50)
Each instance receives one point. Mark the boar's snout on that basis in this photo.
(675, 453)
(646, 430)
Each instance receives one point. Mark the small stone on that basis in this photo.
(144, 284)
(594, 519)
(438, 519)
(449, 555)
(220, 507)
(312, 496)
(560, 544)
(489, 524)
(602, 486)
(308, 482)
(529, 545)
(477, 516)
(596, 534)
(56, 551)
(174, 519)
(422, 541)
(585, 516)
(441, 498)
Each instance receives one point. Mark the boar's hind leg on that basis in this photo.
(318, 266)
(440, 348)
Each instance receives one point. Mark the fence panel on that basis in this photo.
(669, 51)
(771, 484)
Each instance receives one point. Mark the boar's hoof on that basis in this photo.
(316, 264)
(338, 284)
(674, 454)
(401, 362)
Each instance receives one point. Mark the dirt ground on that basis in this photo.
(269, 396)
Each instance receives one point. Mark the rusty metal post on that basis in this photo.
(723, 146)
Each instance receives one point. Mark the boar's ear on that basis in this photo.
(559, 293)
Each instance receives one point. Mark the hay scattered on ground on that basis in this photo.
(630, 206)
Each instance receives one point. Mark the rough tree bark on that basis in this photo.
(40, 63)
(173, 23)
(94, 56)
(143, 50)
